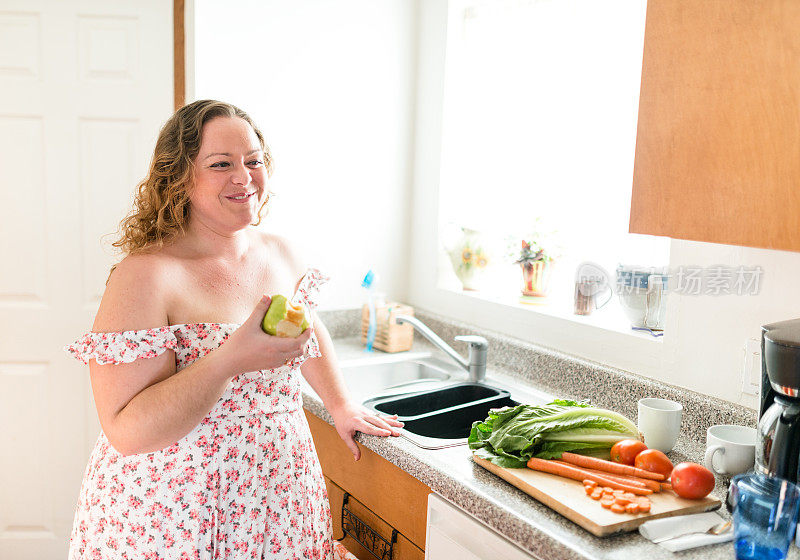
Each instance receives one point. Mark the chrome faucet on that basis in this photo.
(476, 365)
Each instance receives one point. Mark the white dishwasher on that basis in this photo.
(453, 533)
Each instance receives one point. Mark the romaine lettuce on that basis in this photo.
(512, 435)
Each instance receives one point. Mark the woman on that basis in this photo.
(204, 450)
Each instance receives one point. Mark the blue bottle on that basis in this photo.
(369, 284)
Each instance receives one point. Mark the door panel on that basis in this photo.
(84, 89)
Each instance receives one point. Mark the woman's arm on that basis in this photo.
(145, 405)
(169, 406)
(325, 378)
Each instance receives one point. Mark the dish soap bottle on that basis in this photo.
(373, 300)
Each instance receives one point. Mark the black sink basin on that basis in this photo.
(446, 413)
(439, 399)
(454, 423)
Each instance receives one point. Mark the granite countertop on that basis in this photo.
(534, 527)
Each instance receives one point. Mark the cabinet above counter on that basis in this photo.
(719, 127)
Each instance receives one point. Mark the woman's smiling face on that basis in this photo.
(229, 176)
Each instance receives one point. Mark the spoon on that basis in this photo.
(720, 528)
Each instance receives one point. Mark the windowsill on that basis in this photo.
(603, 337)
(610, 317)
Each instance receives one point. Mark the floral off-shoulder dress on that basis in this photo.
(245, 483)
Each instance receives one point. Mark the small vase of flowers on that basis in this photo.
(536, 266)
(469, 256)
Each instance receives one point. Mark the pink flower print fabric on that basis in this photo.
(340, 552)
(309, 287)
(123, 347)
(245, 483)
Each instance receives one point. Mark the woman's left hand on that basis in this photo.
(351, 418)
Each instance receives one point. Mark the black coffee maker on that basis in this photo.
(778, 445)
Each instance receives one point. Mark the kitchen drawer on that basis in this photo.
(403, 548)
(385, 489)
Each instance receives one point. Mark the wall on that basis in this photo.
(330, 84)
(336, 103)
(704, 345)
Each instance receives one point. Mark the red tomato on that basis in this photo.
(692, 481)
(625, 451)
(655, 461)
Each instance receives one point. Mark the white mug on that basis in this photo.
(660, 423)
(730, 449)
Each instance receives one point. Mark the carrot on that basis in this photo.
(590, 483)
(616, 508)
(644, 504)
(632, 507)
(622, 500)
(666, 486)
(608, 466)
(627, 479)
(632, 480)
(596, 495)
(606, 502)
(576, 473)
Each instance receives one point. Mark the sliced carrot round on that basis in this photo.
(616, 508)
(632, 507)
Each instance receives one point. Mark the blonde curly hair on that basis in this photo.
(161, 205)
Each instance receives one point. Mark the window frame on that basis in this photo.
(571, 334)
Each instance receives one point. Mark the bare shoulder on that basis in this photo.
(284, 253)
(136, 294)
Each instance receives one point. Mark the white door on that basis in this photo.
(84, 88)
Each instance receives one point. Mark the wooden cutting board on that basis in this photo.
(569, 499)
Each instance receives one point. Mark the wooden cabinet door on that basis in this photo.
(391, 493)
(718, 141)
(403, 549)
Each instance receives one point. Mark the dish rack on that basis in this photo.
(389, 336)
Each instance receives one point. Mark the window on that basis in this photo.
(539, 130)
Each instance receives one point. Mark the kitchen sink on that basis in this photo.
(453, 425)
(397, 377)
(432, 398)
(442, 416)
(436, 400)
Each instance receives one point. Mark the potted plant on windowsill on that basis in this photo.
(536, 266)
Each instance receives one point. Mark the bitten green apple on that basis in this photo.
(284, 319)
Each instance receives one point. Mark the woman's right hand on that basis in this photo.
(249, 348)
